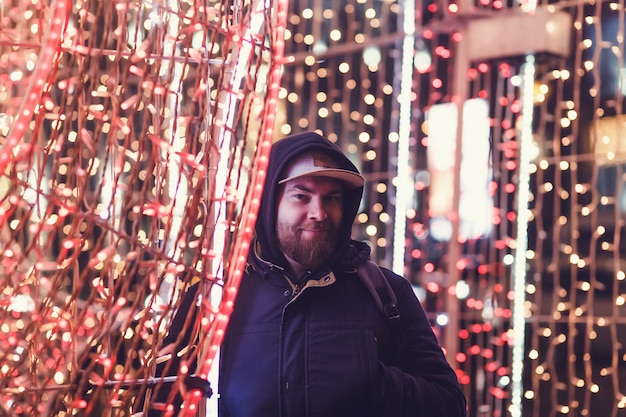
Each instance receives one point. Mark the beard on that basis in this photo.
(310, 253)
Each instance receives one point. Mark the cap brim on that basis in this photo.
(350, 178)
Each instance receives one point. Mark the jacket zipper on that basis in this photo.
(295, 291)
(295, 288)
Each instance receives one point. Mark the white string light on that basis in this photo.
(404, 189)
(519, 271)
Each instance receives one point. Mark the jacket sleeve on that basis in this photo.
(424, 384)
(178, 338)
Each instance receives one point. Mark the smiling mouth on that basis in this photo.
(313, 232)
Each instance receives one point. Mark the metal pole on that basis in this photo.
(461, 67)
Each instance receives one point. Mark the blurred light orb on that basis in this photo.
(372, 56)
(462, 290)
(320, 48)
(422, 60)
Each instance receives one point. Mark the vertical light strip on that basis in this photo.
(237, 70)
(254, 192)
(404, 185)
(519, 271)
(177, 186)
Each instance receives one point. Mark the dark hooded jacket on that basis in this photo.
(318, 345)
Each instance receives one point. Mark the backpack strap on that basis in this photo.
(375, 281)
(379, 287)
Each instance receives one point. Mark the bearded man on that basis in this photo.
(306, 337)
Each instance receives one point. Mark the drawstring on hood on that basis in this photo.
(282, 154)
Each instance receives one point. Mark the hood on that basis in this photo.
(283, 152)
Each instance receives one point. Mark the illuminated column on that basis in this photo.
(519, 270)
(404, 184)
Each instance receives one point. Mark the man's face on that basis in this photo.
(308, 219)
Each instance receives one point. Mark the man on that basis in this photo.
(306, 337)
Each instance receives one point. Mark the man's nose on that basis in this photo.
(317, 210)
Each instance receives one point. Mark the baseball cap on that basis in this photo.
(317, 164)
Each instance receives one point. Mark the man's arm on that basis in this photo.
(178, 339)
(424, 385)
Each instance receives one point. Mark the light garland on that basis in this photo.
(104, 214)
(403, 186)
(566, 94)
(519, 267)
(573, 296)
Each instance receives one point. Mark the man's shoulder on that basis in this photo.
(394, 279)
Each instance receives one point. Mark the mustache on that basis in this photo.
(315, 226)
